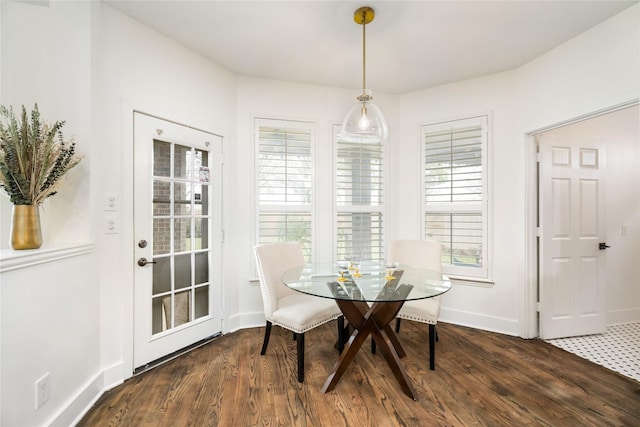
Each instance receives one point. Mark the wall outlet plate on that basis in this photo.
(43, 390)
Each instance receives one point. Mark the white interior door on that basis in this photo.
(177, 229)
(572, 218)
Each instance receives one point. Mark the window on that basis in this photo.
(359, 200)
(455, 193)
(284, 182)
(350, 183)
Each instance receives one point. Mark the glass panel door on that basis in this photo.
(178, 228)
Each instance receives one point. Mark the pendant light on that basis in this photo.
(364, 122)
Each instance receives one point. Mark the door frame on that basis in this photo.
(529, 300)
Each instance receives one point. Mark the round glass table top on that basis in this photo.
(366, 281)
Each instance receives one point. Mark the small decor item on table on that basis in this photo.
(33, 157)
(391, 268)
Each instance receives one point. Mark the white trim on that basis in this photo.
(587, 116)
(528, 298)
(127, 249)
(87, 396)
(471, 281)
(619, 317)
(484, 322)
(13, 260)
(245, 321)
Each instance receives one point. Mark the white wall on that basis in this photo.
(136, 68)
(119, 66)
(46, 58)
(594, 70)
(49, 311)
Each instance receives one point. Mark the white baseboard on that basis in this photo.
(618, 317)
(244, 321)
(114, 375)
(79, 405)
(479, 321)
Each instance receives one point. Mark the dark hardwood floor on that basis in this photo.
(481, 379)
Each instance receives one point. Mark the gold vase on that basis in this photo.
(25, 227)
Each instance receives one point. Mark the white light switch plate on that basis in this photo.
(111, 202)
(111, 224)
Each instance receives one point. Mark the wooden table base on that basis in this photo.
(373, 321)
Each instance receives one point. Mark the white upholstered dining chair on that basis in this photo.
(424, 254)
(285, 307)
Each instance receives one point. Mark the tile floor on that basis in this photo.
(617, 349)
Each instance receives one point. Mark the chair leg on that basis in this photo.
(265, 341)
(432, 347)
(300, 340)
(341, 334)
(398, 324)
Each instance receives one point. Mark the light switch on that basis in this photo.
(111, 224)
(111, 202)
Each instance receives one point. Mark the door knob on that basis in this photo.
(603, 245)
(143, 261)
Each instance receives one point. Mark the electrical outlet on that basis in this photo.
(43, 389)
(624, 230)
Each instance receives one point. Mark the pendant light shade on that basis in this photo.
(364, 121)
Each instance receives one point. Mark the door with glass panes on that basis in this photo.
(177, 230)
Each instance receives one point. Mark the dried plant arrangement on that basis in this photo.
(33, 156)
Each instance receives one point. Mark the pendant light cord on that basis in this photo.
(364, 52)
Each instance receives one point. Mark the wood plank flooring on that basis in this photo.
(481, 379)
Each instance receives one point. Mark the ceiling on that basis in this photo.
(410, 45)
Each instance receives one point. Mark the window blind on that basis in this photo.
(455, 193)
(284, 166)
(284, 182)
(359, 189)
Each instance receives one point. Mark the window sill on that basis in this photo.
(14, 260)
(471, 281)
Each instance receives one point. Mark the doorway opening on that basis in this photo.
(618, 129)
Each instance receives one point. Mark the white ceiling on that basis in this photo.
(411, 45)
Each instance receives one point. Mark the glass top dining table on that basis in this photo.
(367, 282)
(370, 296)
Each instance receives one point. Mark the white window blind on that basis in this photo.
(359, 185)
(455, 193)
(284, 182)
